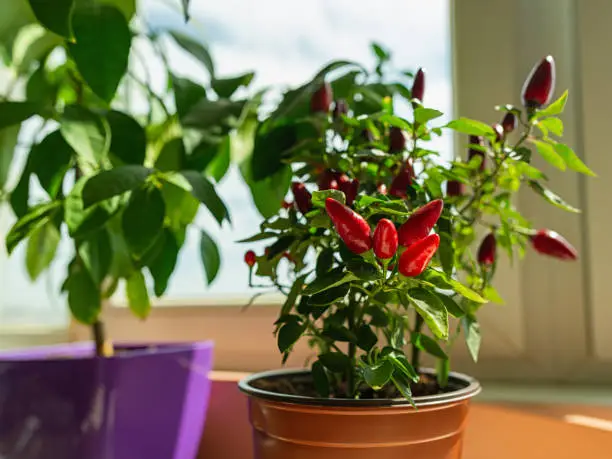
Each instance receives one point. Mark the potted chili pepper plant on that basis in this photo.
(391, 253)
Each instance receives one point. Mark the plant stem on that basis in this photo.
(416, 352)
(352, 352)
(99, 337)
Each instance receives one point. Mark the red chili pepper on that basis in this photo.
(540, 84)
(303, 198)
(397, 140)
(551, 243)
(385, 239)
(350, 189)
(454, 188)
(340, 108)
(286, 204)
(477, 140)
(418, 86)
(351, 227)
(381, 188)
(509, 123)
(328, 180)
(499, 132)
(288, 256)
(487, 250)
(415, 258)
(420, 223)
(249, 258)
(401, 182)
(321, 99)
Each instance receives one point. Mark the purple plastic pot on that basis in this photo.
(60, 402)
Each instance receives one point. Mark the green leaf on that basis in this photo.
(319, 197)
(403, 365)
(113, 182)
(547, 151)
(296, 289)
(186, 94)
(471, 127)
(127, 7)
(555, 108)
(423, 115)
(226, 87)
(88, 134)
(451, 306)
(270, 147)
(12, 113)
(172, 157)
(50, 160)
(379, 316)
(446, 252)
(429, 345)
(8, 142)
(102, 47)
(181, 206)
(196, 49)
(551, 197)
(329, 280)
(205, 192)
(162, 266)
(32, 44)
(364, 271)
(185, 5)
(338, 332)
(137, 295)
(554, 125)
(269, 193)
(366, 338)
(288, 335)
(209, 252)
(55, 15)
(572, 160)
(96, 254)
(319, 379)
(382, 54)
(259, 237)
(84, 297)
(336, 362)
(143, 219)
(395, 121)
(491, 294)
(81, 221)
(432, 310)
(41, 249)
(209, 113)
(379, 374)
(128, 138)
(471, 331)
(220, 164)
(36, 218)
(440, 280)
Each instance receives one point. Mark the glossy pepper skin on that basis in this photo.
(350, 188)
(401, 182)
(321, 99)
(385, 239)
(551, 243)
(397, 140)
(302, 197)
(499, 132)
(454, 188)
(351, 227)
(487, 250)
(340, 108)
(328, 180)
(415, 258)
(420, 223)
(540, 84)
(249, 258)
(476, 140)
(509, 122)
(418, 85)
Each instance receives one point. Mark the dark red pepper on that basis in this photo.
(397, 140)
(477, 140)
(321, 99)
(381, 188)
(351, 227)
(551, 243)
(509, 123)
(499, 132)
(328, 180)
(385, 239)
(249, 258)
(340, 108)
(454, 188)
(303, 198)
(350, 189)
(415, 258)
(540, 84)
(286, 204)
(420, 223)
(401, 182)
(418, 86)
(487, 250)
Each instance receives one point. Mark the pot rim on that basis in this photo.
(471, 388)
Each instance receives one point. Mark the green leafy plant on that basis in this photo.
(123, 180)
(379, 254)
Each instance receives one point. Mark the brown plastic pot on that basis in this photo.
(297, 427)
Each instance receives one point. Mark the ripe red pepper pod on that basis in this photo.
(499, 132)
(350, 188)
(249, 258)
(420, 223)
(476, 140)
(397, 140)
(509, 122)
(385, 239)
(340, 108)
(415, 258)
(381, 188)
(303, 198)
(540, 84)
(401, 182)
(454, 188)
(321, 99)
(487, 250)
(418, 85)
(551, 243)
(286, 204)
(328, 180)
(351, 227)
